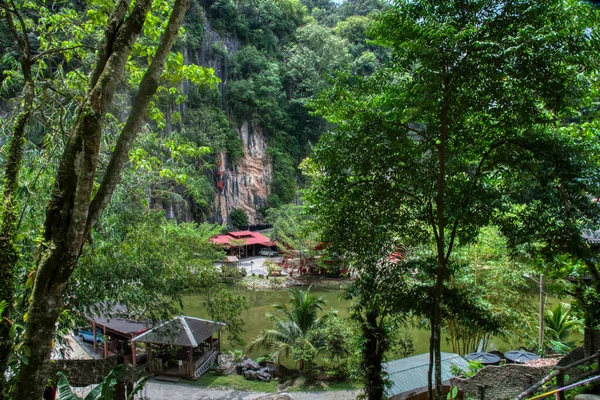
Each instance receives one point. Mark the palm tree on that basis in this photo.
(294, 324)
(559, 323)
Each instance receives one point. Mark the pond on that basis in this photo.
(260, 303)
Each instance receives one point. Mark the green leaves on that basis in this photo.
(292, 327)
(64, 389)
(471, 124)
(559, 323)
(103, 391)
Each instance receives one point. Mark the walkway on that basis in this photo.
(255, 265)
(155, 390)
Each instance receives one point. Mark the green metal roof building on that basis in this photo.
(409, 375)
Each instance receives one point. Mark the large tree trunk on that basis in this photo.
(71, 213)
(373, 351)
(67, 211)
(9, 253)
(431, 361)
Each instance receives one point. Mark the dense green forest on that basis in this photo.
(269, 59)
(236, 81)
(437, 149)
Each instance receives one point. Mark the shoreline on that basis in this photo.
(284, 282)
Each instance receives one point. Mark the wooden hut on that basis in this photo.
(118, 329)
(183, 346)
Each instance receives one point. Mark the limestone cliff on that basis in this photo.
(247, 184)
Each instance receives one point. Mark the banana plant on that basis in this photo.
(237, 354)
(104, 391)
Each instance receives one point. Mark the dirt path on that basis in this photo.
(155, 390)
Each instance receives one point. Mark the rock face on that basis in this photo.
(247, 184)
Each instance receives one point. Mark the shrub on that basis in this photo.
(238, 217)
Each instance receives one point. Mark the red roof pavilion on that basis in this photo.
(248, 238)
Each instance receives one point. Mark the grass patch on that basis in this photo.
(300, 385)
(236, 382)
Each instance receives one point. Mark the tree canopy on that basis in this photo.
(474, 122)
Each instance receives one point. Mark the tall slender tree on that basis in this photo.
(471, 124)
(74, 208)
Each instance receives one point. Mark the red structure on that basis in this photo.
(243, 243)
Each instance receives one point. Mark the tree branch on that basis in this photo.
(57, 50)
(106, 47)
(451, 243)
(148, 87)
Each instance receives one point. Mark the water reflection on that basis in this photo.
(260, 303)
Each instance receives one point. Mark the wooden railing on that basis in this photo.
(204, 363)
(559, 374)
(204, 357)
(156, 365)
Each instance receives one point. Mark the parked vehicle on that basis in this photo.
(88, 336)
(266, 252)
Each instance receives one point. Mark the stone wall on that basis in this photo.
(500, 382)
(82, 373)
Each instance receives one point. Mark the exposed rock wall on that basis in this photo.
(247, 184)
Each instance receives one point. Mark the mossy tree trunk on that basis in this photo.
(72, 212)
(376, 341)
(9, 253)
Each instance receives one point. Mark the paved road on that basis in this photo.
(156, 390)
(171, 391)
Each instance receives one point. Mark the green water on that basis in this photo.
(260, 303)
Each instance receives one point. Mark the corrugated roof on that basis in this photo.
(410, 374)
(181, 331)
(590, 236)
(115, 317)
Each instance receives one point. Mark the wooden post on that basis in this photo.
(149, 354)
(120, 391)
(191, 358)
(560, 382)
(130, 389)
(133, 357)
(219, 341)
(94, 330)
(105, 344)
